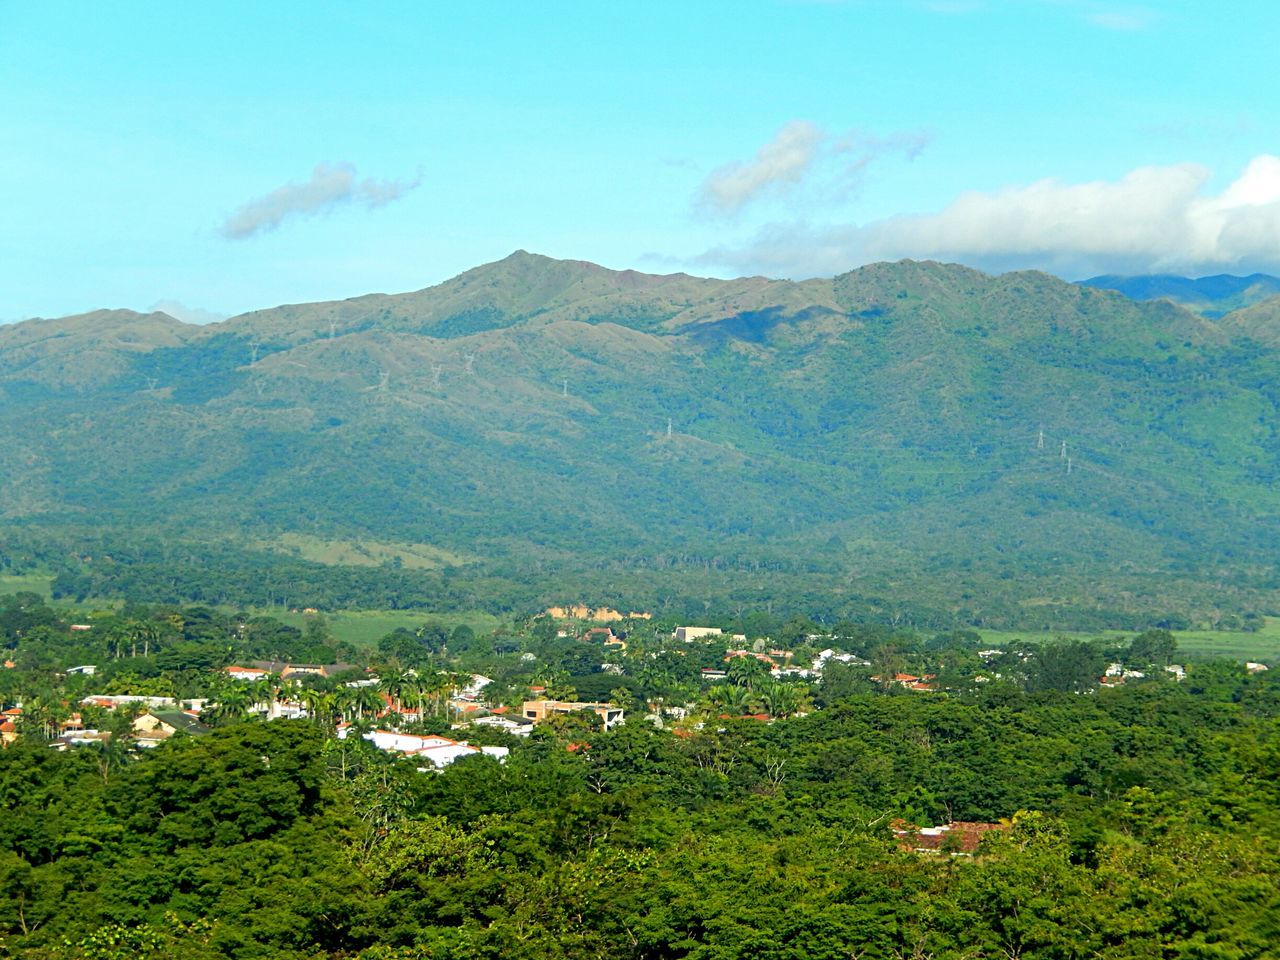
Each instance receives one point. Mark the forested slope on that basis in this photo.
(910, 429)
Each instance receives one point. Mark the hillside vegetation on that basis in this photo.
(917, 436)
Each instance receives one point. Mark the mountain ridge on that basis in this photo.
(917, 427)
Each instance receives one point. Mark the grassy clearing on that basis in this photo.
(364, 628)
(362, 553)
(1263, 645)
(35, 583)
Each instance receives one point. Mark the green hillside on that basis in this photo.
(1011, 449)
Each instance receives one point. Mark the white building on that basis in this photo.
(689, 634)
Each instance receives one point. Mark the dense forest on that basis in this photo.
(1135, 820)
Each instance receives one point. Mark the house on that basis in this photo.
(820, 661)
(600, 635)
(153, 728)
(8, 729)
(440, 757)
(471, 690)
(689, 634)
(88, 669)
(81, 627)
(764, 658)
(539, 710)
(711, 673)
(297, 670)
(81, 738)
(437, 751)
(1255, 667)
(958, 838)
(245, 673)
(114, 701)
(1117, 673)
(516, 726)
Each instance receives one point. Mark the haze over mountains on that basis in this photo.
(1212, 296)
(908, 429)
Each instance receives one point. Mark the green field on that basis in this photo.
(363, 628)
(34, 583)
(362, 553)
(1262, 645)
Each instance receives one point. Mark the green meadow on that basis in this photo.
(1262, 645)
(363, 628)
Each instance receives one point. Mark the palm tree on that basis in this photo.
(730, 698)
(365, 700)
(344, 699)
(313, 700)
(747, 672)
(147, 632)
(395, 685)
(232, 704)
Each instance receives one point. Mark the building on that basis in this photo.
(471, 690)
(153, 728)
(516, 726)
(958, 838)
(438, 752)
(8, 726)
(539, 710)
(245, 673)
(114, 701)
(689, 634)
(298, 670)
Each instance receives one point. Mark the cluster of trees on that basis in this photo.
(1142, 822)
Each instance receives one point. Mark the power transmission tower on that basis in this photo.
(383, 377)
(470, 359)
(565, 389)
(1068, 466)
(668, 427)
(1063, 454)
(333, 329)
(254, 355)
(1040, 438)
(436, 370)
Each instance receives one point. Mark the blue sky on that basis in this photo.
(225, 157)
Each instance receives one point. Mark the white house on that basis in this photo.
(516, 726)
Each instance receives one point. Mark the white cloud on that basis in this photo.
(330, 186)
(1153, 219)
(180, 311)
(800, 153)
(1123, 20)
(783, 160)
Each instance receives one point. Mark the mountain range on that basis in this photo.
(1012, 449)
(1212, 296)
